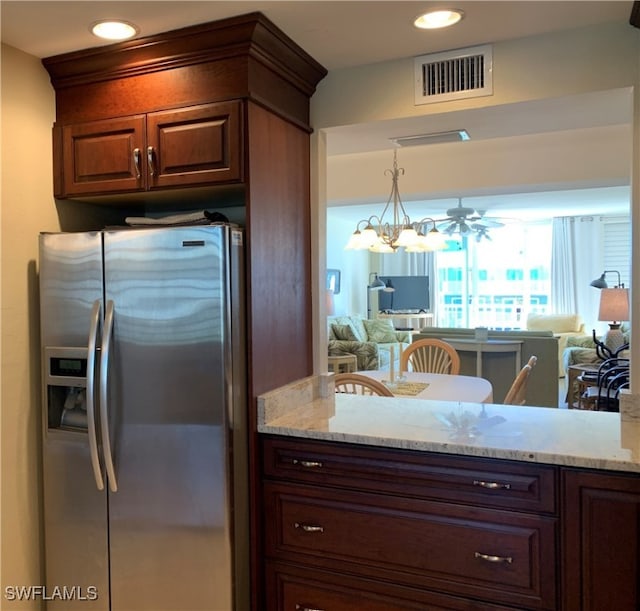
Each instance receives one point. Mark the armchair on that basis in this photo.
(564, 326)
(369, 340)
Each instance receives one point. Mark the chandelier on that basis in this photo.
(393, 228)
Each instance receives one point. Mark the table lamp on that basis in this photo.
(614, 307)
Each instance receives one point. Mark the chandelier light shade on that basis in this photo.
(614, 307)
(393, 228)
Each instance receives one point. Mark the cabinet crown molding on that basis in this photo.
(251, 35)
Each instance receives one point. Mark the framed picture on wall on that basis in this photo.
(333, 280)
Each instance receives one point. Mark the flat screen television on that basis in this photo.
(411, 293)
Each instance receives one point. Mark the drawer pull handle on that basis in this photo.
(310, 528)
(305, 608)
(308, 464)
(495, 559)
(491, 485)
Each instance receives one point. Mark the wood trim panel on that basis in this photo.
(601, 540)
(278, 227)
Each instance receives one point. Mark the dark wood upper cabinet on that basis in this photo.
(193, 146)
(184, 147)
(101, 156)
(171, 111)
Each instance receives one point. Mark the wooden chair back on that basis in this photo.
(358, 384)
(517, 394)
(431, 355)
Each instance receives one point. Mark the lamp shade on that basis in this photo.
(614, 304)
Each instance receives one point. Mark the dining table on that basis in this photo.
(436, 386)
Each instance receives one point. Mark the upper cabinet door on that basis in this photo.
(104, 156)
(194, 146)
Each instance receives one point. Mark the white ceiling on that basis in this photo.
(336, 33)
(345, 33)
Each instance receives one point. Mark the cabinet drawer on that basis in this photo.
(289, 588)
(486, 554)
(475, 481)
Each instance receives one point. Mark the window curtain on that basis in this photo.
(563, 269)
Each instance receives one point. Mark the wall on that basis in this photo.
(28, 112)
(553, 65)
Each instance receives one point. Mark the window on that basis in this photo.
(495, 283)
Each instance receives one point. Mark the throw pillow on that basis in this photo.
(380, 331)
(344, 332)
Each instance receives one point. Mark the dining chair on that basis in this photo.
(612, 377)
(357, 384)
(517, 394)
(430, 355)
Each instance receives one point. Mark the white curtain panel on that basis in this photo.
(563, 286)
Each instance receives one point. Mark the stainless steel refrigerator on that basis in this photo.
(144, 414)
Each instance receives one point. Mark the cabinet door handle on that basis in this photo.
(491, 485)
(136, 162)
(309, 528)
(305, 608)
(150, 155)
(495, 559)
(308, 464)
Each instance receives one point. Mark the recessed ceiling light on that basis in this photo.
(114, 29)
(438, 19)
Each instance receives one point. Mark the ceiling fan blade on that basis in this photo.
(484, 222)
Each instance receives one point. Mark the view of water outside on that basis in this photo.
(495, 283)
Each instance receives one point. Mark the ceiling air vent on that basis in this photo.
(453, 75)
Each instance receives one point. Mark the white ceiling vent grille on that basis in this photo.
(453, 75)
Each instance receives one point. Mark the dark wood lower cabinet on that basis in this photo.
(296, 588)
(350, 527)
(438, 532)
(601, 541)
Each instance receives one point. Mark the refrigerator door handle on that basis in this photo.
(104, 412)
(94, 328)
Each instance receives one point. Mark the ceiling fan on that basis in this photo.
(467, 221)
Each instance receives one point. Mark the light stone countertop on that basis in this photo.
(310, 409)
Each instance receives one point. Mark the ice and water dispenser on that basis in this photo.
(66, 382)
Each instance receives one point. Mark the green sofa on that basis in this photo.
(499, 367)
(369, 340)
